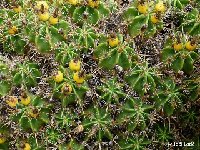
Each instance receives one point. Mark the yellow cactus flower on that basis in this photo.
(75, 65)
(113, 41)
(12, 101)
(73, 2)
(190, 46)
(143, 8)
(160, 7)
(17, 9)
(39, 5)
(154, 19)
(93, 3)
(178, 46)
(79, 77)
(27, 146)
(58, 77)
(66, 89)
(2, 139)
(25, 99)
(43, 16)
(13, 30)
(53, 20)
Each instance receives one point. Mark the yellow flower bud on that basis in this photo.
(25, 99)
(13, 30)
(53, 20)
(2, 139)
(27, 146)
(58, 77)
(43, 16)
(189, 46)
(78, 77)
(143, 8)
(66, 89)
(39, 4)
(12, 101)
(154, 19)
(160, 7)
(113, 41)
(178, 46)
(73, 2)
(75, 65)
(93, 3)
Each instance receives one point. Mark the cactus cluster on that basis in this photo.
(94, 74)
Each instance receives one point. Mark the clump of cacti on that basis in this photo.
(92, 74)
